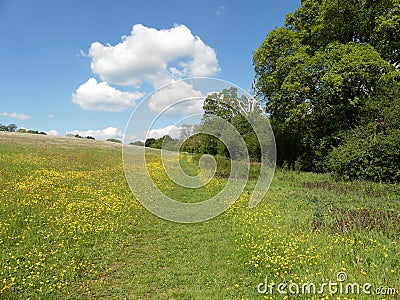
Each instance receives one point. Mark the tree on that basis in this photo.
(150, 142)
(249, 136)
(168, 143)
(221, 104)
(372, 150)
(12, 128)
(320, 22)
(224, 121)
(319, 72)
(137, 143)
(9, 128)
(113, 140)
(228, 103)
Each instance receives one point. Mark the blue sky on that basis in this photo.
(60, 59)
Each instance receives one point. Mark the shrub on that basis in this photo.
(365, 154)
(137, 143)
(114, 141)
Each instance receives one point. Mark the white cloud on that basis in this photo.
(103, 134)
(14, 115)
(220, 10)
(172, 130)
(52, 132)
(51, 116)
(172, 93)
(100, 96)
(154, 56)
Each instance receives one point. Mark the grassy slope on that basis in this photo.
(70, 228)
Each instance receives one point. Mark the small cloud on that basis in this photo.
(93, 95)
(51, 116)
(220, 10)
(14, 115)
(52, 132)
(102, 134)
(83, 53)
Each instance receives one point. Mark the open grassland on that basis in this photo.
(70, 228)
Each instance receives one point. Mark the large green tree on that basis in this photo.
(320, 22)
(320, 72)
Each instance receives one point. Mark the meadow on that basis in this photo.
(70, 228)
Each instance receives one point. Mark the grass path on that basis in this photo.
(175, 261)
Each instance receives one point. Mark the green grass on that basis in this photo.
(70, 228)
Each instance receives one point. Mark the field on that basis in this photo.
(70, 228)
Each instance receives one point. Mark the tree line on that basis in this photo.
(14, 128)
(330, 79)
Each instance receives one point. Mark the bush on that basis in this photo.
(114, 141)
(35, 132)
(367, 155)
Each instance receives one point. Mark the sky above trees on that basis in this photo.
(82, 66)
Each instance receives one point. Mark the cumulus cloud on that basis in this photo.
(14, 115)
(172, 130)
(103, 134)
(173, 93)
(154, 56)
(146, 57)
(52, 132)
(93, 95)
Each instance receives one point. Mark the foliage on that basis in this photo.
(14, 128)
(368, 155)
(79, 136)
(214, 136)
(318, 23)
(113, 141)
(137, 143)
(371, 151)
(324, 72)
(204, 143)
(166, 142)
(9, 128)
(35, 132)
(221, 104)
